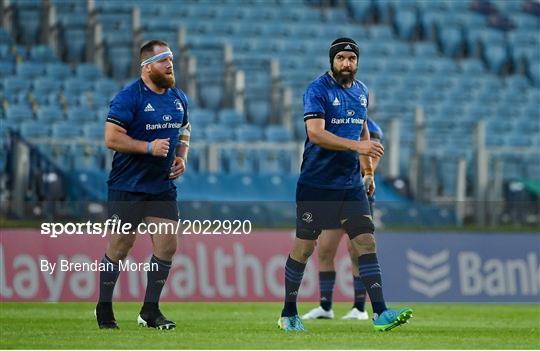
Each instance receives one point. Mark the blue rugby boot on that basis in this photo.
(390, 319)
(293, 323)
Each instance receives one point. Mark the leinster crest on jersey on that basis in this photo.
(363, 100)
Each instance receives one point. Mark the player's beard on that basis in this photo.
(162, 80)
(344, 79)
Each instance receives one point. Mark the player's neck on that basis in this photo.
(148, 82)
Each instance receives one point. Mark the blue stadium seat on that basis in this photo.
(240, 161)
(75, 44)
(120, 60)
(274, 162)
(5, 37)
(360, 10)
(19, 113)
(276, 133)
(496, 58)
(218, 134)
(88, 71)
(5, 53)
(336, 15)
(445, 66)
(69, 98)
(15, 85)
(76, 86)
(534, 71)
(198, 134)
(87, 157)
(451, 41)
(258, 111)
(80, 115)
(423, 65)
(29, 20)
(472, 66)
(59, 71)
(230, 118)
(518, 84)
(49, 114)
(508, 6)
(381, 33)
(526, 21)
(63, 130)
(27, 70)
(94, 131)
(42, 53)
(248, 133)
(106, 86)
(7, 68)
(29, 130)
(21, 53)
(211, 96)
(46, 85)
(406, 23)
(199, 117)
(471, 20)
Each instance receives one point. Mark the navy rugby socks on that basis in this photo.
(370, 273)
(294, 272)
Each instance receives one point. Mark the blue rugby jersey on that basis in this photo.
(146, 116)
(375, 132)
(344, 111)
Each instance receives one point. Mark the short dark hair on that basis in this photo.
(147, 50)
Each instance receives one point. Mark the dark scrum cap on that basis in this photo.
(342, 44)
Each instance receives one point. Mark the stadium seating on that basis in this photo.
(446, 56)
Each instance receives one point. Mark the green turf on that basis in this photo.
(253, 326)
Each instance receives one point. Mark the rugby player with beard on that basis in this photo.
(330, 193)
(147, 127)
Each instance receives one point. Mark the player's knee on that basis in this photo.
(306, 253)
(365, 243)
(325, 255)
(167, 252)
(303, 250)
(308, 233)
(122, 247)
(358, 225)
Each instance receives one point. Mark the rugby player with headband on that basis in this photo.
(148, 128)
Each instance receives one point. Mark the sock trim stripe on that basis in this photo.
(363, 265)
(332, 282)
(292, 279)
(371, 274)
(370, 270)
(294, 273)
(290, 269)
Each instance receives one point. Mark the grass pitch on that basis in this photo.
(254, 326)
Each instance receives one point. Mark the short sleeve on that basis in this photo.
(375, 132)
(185, 103)
(121, 109)
(313, 103)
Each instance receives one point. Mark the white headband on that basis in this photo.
(157, 57)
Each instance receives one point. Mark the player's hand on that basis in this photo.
(370, 148)
(369, 183)
(178, 167)
(160, 147)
